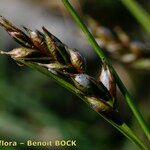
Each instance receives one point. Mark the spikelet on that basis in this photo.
(106, 78)
(105, 109)
(20, 53)
(91, 87)
(16, 33)
(77, 60)
(57, 49)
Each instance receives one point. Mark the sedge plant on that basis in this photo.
(45, 53)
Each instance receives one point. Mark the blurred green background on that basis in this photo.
(34, 107)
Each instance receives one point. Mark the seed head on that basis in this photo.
(46, 51)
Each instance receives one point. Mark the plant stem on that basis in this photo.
(124, 129)
(131, 136)
(139, 13)
(103, 57)
(56, 78)
(127, 132)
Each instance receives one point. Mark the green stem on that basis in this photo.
(101, 54)
(124, 129)
(139, 13)
(127, 132)
(56, 78)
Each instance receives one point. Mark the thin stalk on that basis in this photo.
(124, 129)
(139, 13)
(56, 78)
(104, 58)
(127, 132)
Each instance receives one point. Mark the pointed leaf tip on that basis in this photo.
(44, 29)
(27, 29)
(2, 21)
(6, 24)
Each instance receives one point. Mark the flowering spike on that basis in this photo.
(46, 51)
